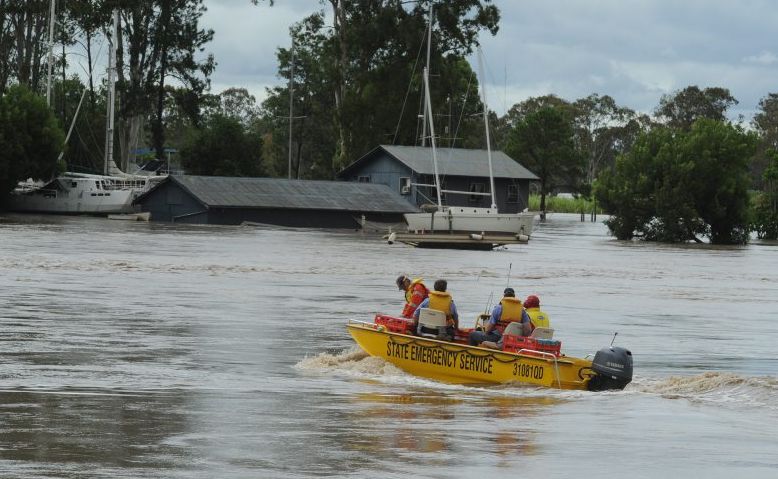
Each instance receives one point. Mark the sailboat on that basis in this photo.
(78, 193)
(463, 219)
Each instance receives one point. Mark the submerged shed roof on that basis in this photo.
(454, 162)
(232, 192)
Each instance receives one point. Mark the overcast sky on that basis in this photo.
(632, 50)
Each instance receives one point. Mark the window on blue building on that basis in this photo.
(513, 194)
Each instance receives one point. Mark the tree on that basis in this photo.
(765, 221)
(238, 103)
(543, 141)
(23, 42)
(313, 128)
(598, 124)
(503, 126)
(30, 136)
(681, 185)
(223, 148)
(159, 39)
(85, 19)
(342, 93)
(682, 108)
(765, 122)
(370, 47)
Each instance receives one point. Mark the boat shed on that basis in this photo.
(405, 169)
(297, 203)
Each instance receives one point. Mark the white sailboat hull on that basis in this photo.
(471, 220)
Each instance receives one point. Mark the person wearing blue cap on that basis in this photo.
(509, 310)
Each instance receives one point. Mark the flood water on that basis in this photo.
(147, 350)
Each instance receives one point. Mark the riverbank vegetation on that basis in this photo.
(564, 204)
(357, 85)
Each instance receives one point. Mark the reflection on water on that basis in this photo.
(145, 350)
(82, 430)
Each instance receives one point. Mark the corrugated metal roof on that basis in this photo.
(459, 162)
(222, 191)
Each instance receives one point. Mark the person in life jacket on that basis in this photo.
(509, 310)
(439, 299)
(415, 293)
(538, 317)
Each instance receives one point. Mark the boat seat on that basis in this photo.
(432, 324)
(542, 333)
(513, 328)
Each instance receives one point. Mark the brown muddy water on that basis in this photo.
(144, 350)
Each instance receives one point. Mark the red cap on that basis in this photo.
(532, 301)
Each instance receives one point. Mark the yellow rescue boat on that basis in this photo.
(522, 360)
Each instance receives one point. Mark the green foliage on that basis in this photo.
(223, 148)
(766, 124)
(765, 211)
(544, 142)
(680, 185)
(684, 107)
(351, 82)
(557, 204)
(30, 137)
(601, 129)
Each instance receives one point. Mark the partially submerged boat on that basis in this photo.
(527, 360)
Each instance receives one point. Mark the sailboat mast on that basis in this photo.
(291, 111)
(428, 105)
(429, 50)
(111, 100)
(51, 52)
(486, 123)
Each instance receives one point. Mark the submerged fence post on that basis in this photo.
(594, 210)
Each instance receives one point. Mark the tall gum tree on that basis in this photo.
(544, 142)
(159, 39)
(367, 35)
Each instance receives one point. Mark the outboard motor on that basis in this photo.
(612, 367)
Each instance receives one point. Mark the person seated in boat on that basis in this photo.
(439, 299)
(415, 293)
(538, 317)
(509, 310)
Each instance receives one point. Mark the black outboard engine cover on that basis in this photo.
(613, 368)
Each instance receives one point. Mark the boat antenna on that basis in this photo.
(508, 283)
(488, 302)
(614, 337)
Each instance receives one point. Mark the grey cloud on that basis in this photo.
(633, 50)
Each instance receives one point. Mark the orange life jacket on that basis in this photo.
(415, 285)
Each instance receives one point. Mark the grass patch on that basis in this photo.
(555, 204)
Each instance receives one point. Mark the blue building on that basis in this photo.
(275, 201)
(405, 169)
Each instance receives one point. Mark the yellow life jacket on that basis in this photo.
(539, 318)
(511, 310)
(409, 291)
(440, 301)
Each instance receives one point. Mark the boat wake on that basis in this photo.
(714, 387)
(350, 362)
(355, 363)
